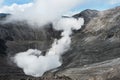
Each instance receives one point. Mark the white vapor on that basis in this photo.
(33, 63)
(41, 12)
(15, 8)
(114, 2)
(1, 1)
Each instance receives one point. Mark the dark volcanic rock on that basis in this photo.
(87, 15)
(108, 70)
(3, 16)
(99, 41)
(3, 47)
(94, 52)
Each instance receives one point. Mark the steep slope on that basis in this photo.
(94, 52)
(98, 41)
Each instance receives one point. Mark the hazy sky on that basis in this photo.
(9, 2)
(85, 4)
(91, 4)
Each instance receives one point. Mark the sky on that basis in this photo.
(10, 2)
(86, 4)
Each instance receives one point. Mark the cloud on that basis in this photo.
(1, 1)
(41, 11)
(112, 2)
(15, 8)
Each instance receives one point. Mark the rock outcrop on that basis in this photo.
(94, 52)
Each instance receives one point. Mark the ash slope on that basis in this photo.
(94, 52)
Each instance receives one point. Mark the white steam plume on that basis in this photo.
(40, 12)
(33, 63)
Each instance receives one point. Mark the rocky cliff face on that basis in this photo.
(94, 52)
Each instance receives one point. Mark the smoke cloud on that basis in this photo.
(40, 12)
(33, 63)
